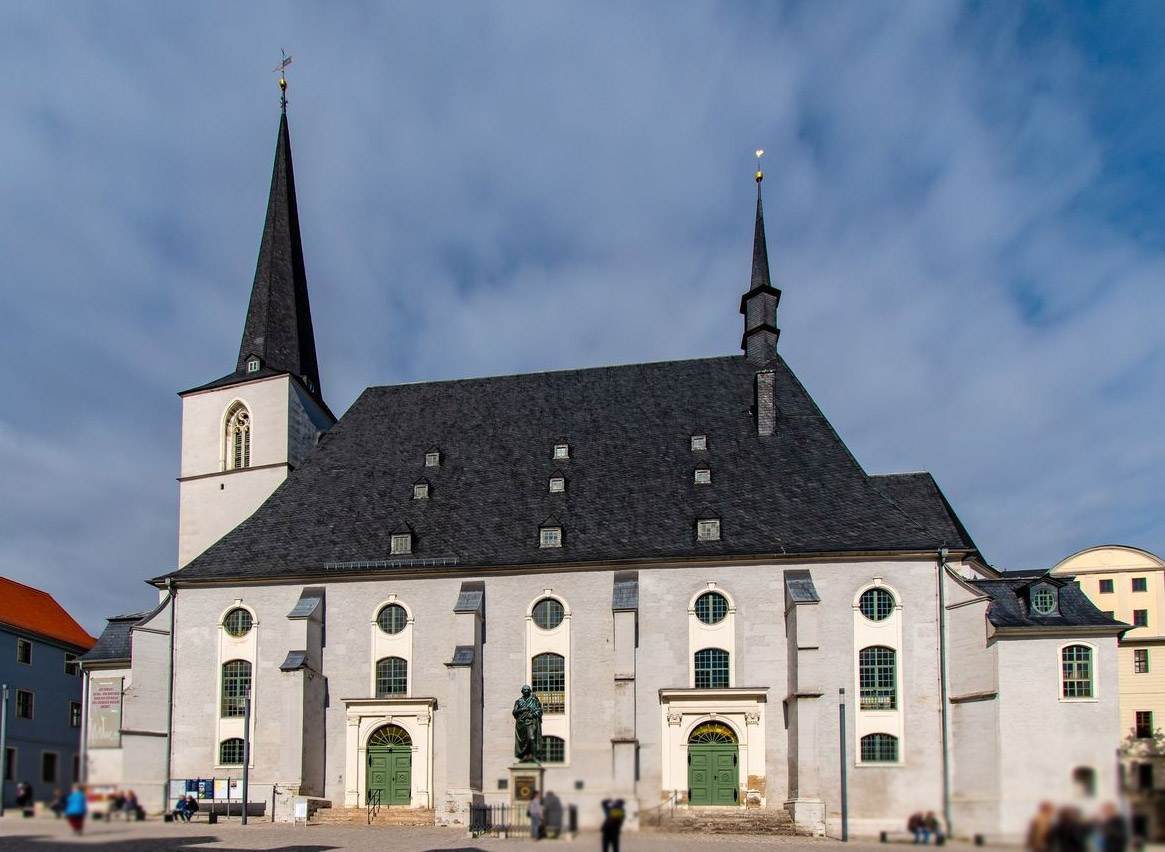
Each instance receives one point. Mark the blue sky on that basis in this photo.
(964, 209)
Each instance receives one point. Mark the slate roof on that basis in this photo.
(1009, 606)
(30, 610)
(629, 495)
(113, 645)
(278, 327)
(919, 496)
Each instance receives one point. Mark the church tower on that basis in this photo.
(244, 433)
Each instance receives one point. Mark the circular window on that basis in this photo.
(392, 618)
(238, 622)
(711, 607)
(548, 613)
(876, 604)
(1043, 601)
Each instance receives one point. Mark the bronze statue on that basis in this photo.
(528, 727)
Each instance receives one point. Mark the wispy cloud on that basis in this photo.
(957, 201)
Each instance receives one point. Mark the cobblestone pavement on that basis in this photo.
(50, 835)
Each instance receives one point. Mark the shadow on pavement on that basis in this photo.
(44, 843)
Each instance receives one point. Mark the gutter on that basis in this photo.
(943, 688)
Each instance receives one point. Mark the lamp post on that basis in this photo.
(844, 780)
(3, 743)
(246, 748)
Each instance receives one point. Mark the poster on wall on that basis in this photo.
(206, 788)
(221, 790)
(105, 712)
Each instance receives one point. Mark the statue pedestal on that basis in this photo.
(525, 780)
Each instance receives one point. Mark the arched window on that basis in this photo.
(392, 677)
(879, 748)
(238, 437)
(877, 678)
(1076, 661)
(548, 680)
(236, 683)
(553, 750)
(712, 669)
(230, 752)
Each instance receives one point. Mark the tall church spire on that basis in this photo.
(759, 304)
(278, 329)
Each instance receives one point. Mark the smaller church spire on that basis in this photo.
(759, 304)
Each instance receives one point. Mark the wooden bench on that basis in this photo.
(908, 837)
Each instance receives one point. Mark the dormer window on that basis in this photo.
(1043, 600)
(252, 365)
(703, 476)
(401, 543)
(561, 451)
(420, 491)
(557, 484)
(550, 537)
(708, 529)
(433, 458)
(699, 442)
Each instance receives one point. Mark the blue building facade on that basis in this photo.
(40, 667)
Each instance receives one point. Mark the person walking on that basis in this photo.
(535, 813)
(614, 813)
(75, 809)
(1112, 829)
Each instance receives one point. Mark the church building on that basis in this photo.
(683, 560)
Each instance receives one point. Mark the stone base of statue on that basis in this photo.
(525, 780)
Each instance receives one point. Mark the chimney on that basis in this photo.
(765, 403)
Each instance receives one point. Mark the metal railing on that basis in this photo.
(878, 699)
(664, 810)
(372, 805)
(498, 820)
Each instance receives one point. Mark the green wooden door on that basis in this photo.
(390, 770)
(713, 774)
(390, 766)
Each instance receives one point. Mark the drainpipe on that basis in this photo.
(943, 687)
(84, 767)
(172, 595)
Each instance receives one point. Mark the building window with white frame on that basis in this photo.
(236, 684)
(401, 544)
(557, 484)
(24, 652)
(702, 476)
(230, 752)
(24, 704)
(550, 537)
(548, 681)
(879, 748)
(1076, 667)
(238, 437)
(392, 677)
(699, 442)
(876, 604)
(238, 622)
(711, 669)
(74, 714)
(553, 750)
(72, 665)
(561, 452)
(878, 678)
(708, 529)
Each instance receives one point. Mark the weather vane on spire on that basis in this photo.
(281, 67)
(760, 152)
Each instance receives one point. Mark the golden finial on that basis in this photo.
(759, 174)
(283, 78)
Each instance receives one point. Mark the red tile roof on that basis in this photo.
(32, 610)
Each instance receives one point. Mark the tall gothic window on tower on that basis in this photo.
(238, 437)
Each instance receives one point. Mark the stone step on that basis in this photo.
(775, 821)
(384, 817)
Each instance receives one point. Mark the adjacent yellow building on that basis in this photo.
(1129, 584)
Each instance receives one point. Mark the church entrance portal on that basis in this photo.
(390, 765)
(713, 766)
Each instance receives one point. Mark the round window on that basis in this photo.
(392, 618)
(238, 622)
(711, 607)
(548, 613)
(1043, 601)
(876, 604)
